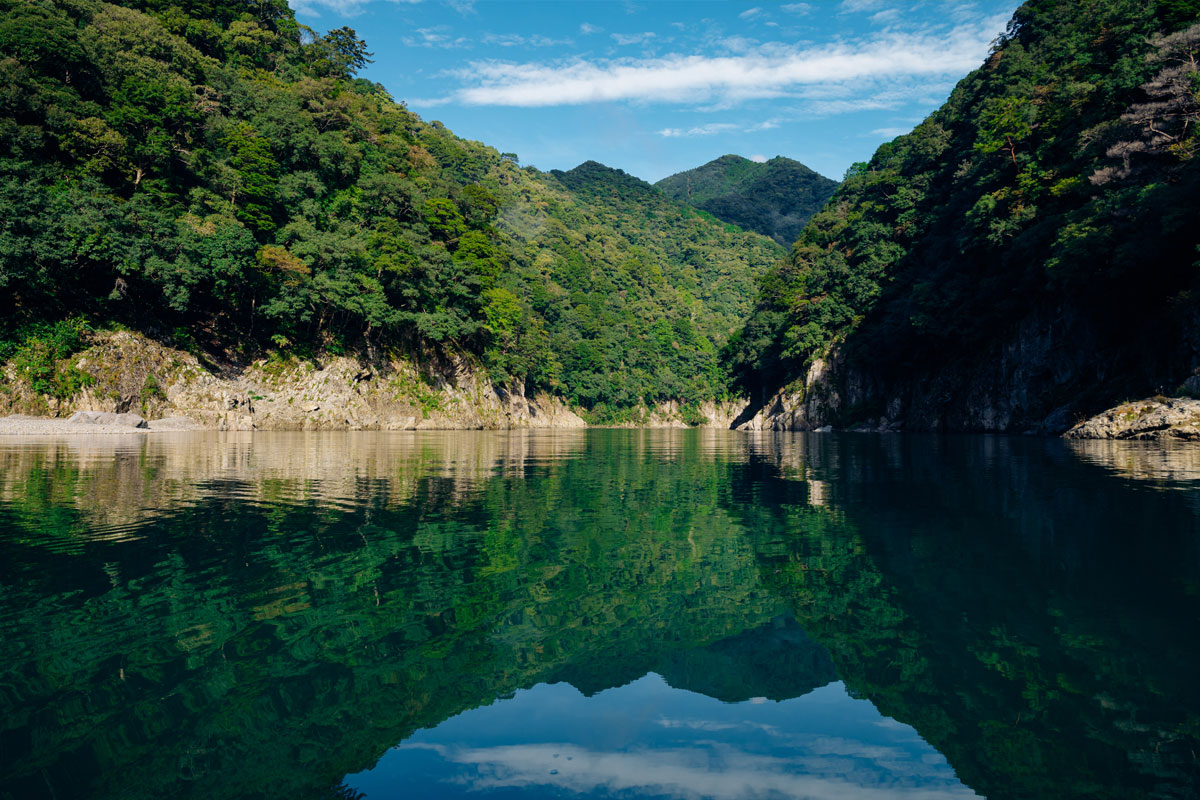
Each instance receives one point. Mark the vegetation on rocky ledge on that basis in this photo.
(1059, 177)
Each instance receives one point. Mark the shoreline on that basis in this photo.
(27, 425)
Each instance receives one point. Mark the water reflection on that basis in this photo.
(648, 740)
(250, 615)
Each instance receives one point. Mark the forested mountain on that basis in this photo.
(1026, 254)
(775, 198)
(213, 173)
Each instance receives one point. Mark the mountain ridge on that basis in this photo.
(775, 197)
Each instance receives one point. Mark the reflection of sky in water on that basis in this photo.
(650, 740)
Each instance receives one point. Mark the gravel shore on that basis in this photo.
(22, 425)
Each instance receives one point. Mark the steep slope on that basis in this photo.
(775, 198)
(1027, 255)
(213, 175)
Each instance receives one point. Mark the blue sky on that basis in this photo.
(658, 86)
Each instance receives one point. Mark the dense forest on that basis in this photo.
(1041, 222)
(213, 174)
(775, 198)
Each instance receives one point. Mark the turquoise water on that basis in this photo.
(603, 613)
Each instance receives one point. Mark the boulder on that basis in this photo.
(1153, 418)
(107, 418)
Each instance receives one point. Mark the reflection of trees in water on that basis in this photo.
(1034, 617)
(245, 647)
(284, 610)
(121, 482)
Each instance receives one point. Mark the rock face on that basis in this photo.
(1154, 418)
(671, 414)
(1051, 372)
(132, 373)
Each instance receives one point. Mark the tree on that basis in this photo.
(1005, 123)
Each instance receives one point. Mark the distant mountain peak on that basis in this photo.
(774, 197)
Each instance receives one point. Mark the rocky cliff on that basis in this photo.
(129, 372)
(1054, 371)
(1021, 261)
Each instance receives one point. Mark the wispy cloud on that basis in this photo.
(799, 9)
(847, 72)
(718, 127)
(889, 133)
(517, 40)
(699, 130)
(632, 38)
(587, 28)
(751, 13)
(343, 8)
(857, 6)
(437, 36)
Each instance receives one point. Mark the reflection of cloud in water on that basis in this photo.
(720, 772)
(710, 725)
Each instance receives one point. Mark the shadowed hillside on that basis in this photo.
(775, 198)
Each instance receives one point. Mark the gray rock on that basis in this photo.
(107, 418)
(1153, 418)
(1057, 421)
(174, 424)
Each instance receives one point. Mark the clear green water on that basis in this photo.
(598, 614)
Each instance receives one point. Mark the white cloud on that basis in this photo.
(738, 44)
(758, 158)
(751, 13)
(856, 6)
(632, 38)
(700, 130)
(885, 16)
(342, 8)
(517, 40)
(587, 28)
(890, 133)
(829, 100)
(437, 36)
(847, 72)
(717, 127)
(799, 9)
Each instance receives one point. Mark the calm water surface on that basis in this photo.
(598, 614)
